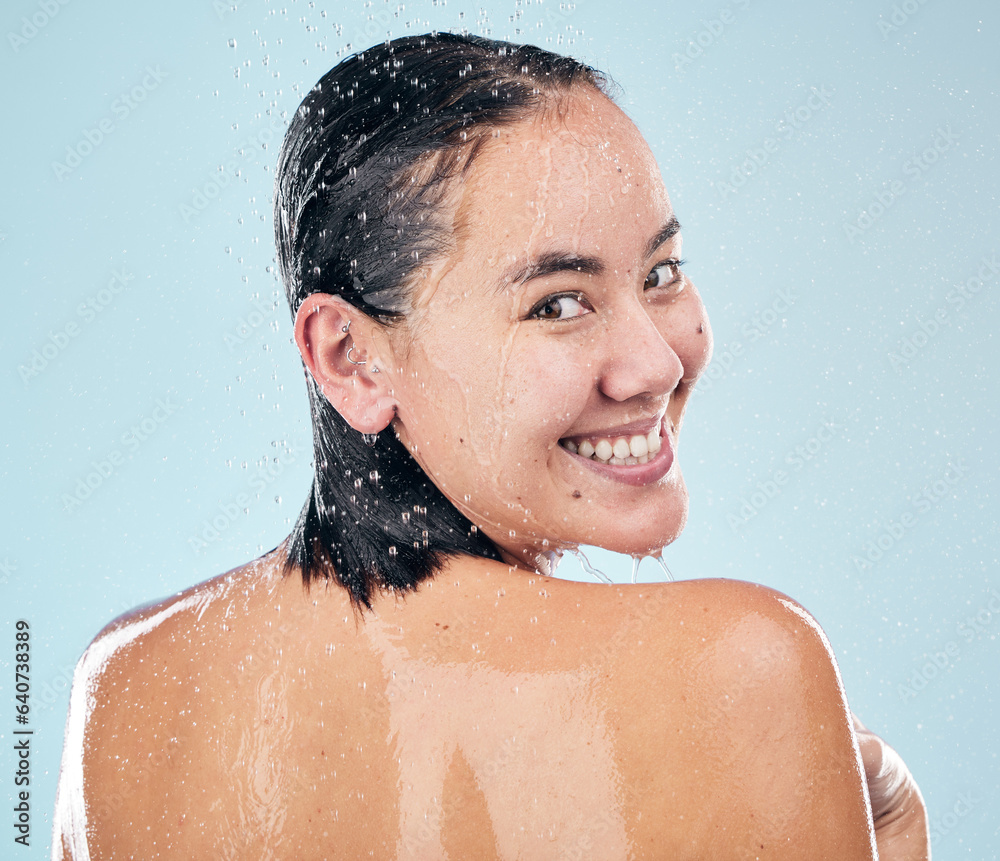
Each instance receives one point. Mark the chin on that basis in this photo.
(649, 530)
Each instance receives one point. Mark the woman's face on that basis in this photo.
(559, 326)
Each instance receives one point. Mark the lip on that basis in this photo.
(642, 426)
(639, 474)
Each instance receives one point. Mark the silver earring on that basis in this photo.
(349, 359)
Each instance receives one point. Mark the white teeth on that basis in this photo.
(638, 446)
(621, 451)
(653, 440)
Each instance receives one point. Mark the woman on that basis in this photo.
(484, 271)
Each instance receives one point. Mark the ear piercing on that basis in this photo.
(346, 329)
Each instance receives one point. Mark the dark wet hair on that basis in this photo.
(364, 168)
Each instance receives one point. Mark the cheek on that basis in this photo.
(523, 405)
(695, 341)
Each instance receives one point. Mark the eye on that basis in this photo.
(561, 307)
(664, 274)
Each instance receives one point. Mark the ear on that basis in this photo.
(337, 347)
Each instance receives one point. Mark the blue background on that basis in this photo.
(181, 387)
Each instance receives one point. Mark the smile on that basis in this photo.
(617, 451)
(628, 457)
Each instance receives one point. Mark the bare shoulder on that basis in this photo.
(153, 697)
(746, 679)
(729, 719)
(122, 727)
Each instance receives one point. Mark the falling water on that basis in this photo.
(601, 577)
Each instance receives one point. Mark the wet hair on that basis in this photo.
(362, 177)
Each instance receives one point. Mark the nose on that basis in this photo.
(641, 360)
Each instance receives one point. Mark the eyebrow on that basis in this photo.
(669, 231)
(557, 261)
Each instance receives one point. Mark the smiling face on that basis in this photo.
(542, 375)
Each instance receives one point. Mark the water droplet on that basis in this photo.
(232, 43)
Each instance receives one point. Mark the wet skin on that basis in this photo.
(558, 312)
(492, 714)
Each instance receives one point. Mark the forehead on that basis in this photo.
(577, 175)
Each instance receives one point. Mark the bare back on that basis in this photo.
(491, 714)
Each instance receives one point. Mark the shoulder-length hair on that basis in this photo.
(363, 169)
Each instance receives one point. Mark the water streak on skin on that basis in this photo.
(502, 395)
(70, 819)
(262, 748)
(461, 717)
